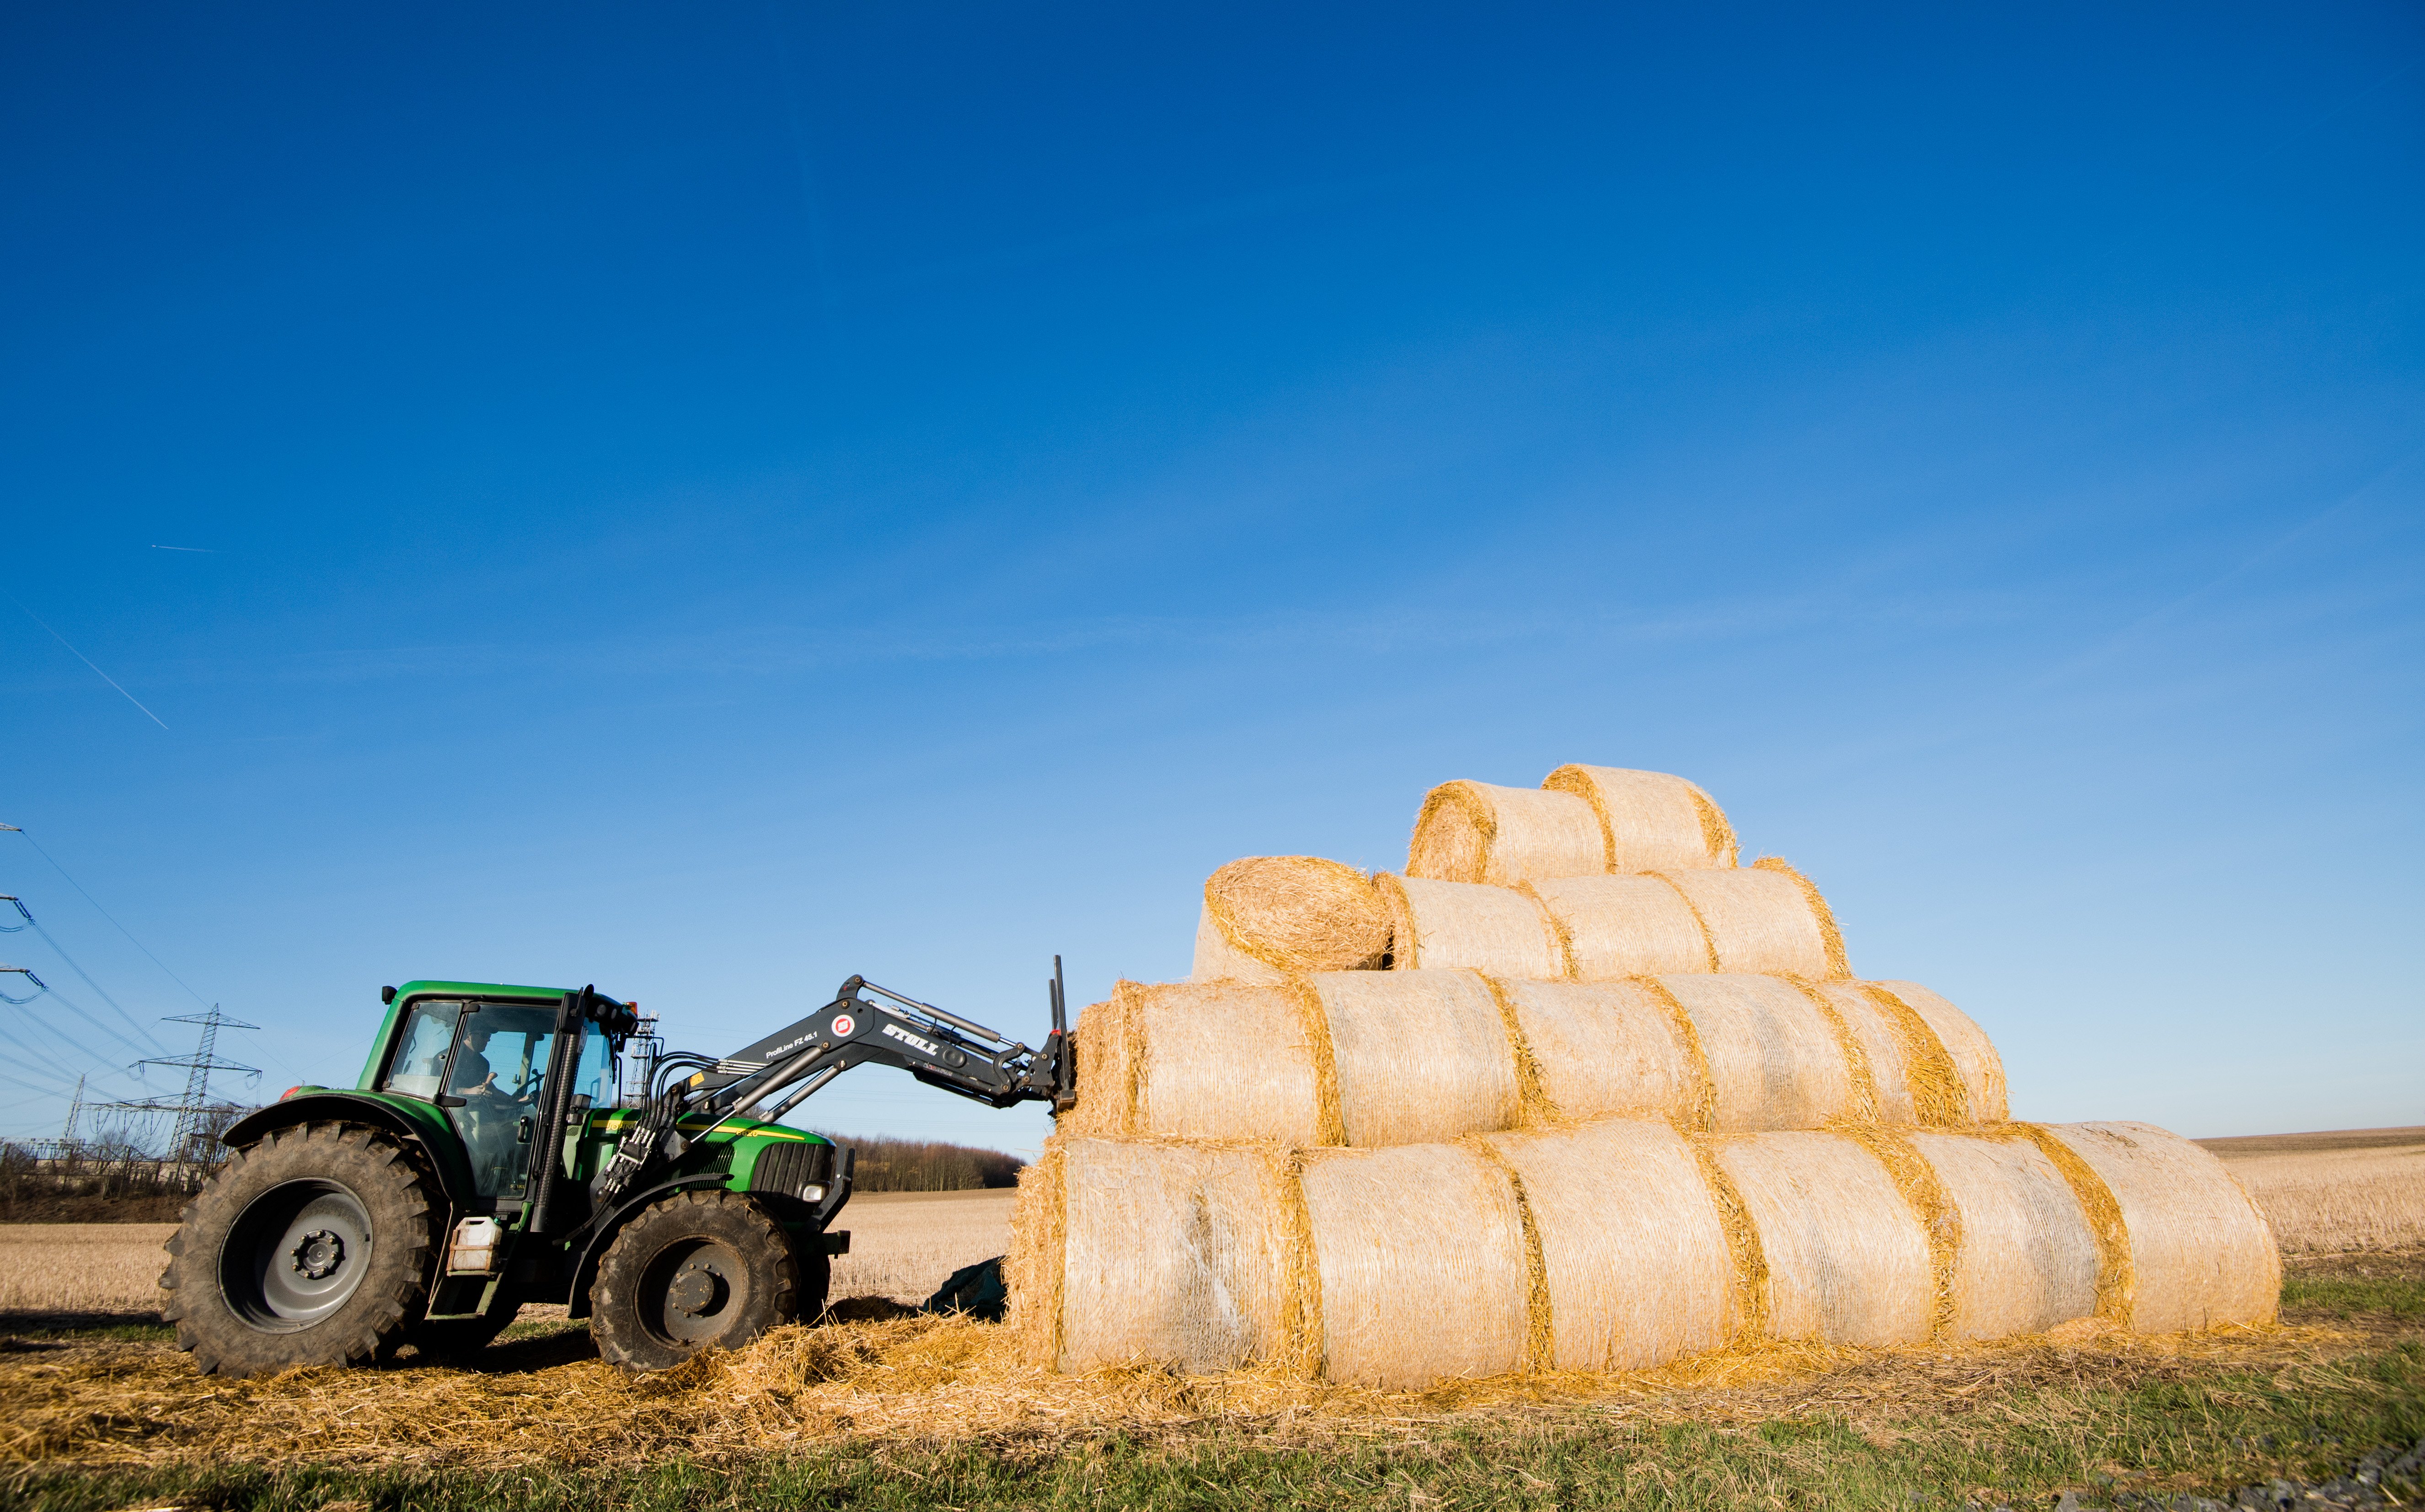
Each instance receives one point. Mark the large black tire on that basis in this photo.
(311, 1247)
(696, 1271)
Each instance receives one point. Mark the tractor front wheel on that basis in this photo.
(697, 1270)
(311, 1247)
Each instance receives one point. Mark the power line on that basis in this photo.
(45, 1091)
(104, 912)
(85, 1015)
(155, 960)
(72, 1005)
(61, 951)
(85, 1051)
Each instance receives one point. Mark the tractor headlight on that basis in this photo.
(813, 1192)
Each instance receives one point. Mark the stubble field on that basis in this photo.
(912, 1411)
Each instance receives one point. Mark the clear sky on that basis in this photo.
(706, 500)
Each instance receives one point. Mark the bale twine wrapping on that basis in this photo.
(1617, 1244)
(1968, 1051)
(1632, 1251)
(1267, 916)
(1830, 937)
(1496, 930)
(1759, 921)
(1219, 1060)
(1106, 1054)
(1420, 1056)
(1031, 1272)
(1604, 1048)
(1774, 1061)
(1649, 821)
(1378, 1058)
(1916, 1078)
(1481, 832)
(1421, 1257)
(2027, 1258)
(1174, 1253)
(1617, 926)
(1848, 1260)
(2200, 1252)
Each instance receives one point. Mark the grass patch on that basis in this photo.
(2345, 1298)
(2015, 1446)
(72, 1329)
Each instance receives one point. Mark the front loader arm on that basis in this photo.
(786, 1068)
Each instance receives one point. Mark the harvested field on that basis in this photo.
(919, 1411)
(82, 1267)
(2323, 1201)
(927, 1379)
(903, 1244)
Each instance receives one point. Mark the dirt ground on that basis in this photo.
(903, 1245)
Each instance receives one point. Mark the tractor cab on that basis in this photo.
(485, 1063)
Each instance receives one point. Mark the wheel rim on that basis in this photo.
(693, 1293)
(298, 1254)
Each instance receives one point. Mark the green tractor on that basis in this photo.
(491, 1156)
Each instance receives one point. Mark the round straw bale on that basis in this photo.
(1419, 1056)
(2201, 1253)
(1480, 832)
(1649, 821)
(1615, 927)
(1174, 1255)
(1217, 960)
(1267, 916)
(1774, 1060)
(1606, 1048)
(2028, 1257)
(1634, 1255)
(1898, 1049)
(1221, 1060)
(1032, 1271)
(1972, 1054)
(1105, 1055)
(1758, 921)
(1421, 1255)
(1499, 930)
(1848, 1262)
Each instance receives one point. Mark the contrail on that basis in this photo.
(207, 551)
(88, 661)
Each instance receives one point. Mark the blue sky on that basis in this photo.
(709, 500)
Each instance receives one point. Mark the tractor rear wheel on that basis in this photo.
(311, 1247)
(695, 1271)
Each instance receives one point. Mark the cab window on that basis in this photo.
(420, 1065)
(500, 1062)
(598, 1073)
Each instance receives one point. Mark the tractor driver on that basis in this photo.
(474, 1076)
(492, 1137)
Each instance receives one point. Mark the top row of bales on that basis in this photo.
(1600, 874)
(1582, 821)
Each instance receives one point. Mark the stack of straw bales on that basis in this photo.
(1576, 1091)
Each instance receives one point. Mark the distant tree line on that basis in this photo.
(927, 1166)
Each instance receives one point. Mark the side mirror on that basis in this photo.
(521, 1132)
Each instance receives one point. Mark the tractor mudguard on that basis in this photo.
(429, 1134)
